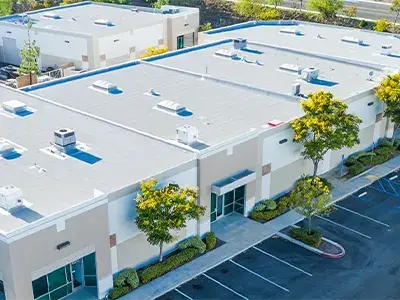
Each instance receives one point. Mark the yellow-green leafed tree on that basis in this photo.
(162, 210)
(389, 93)
(152, 51)
(325, 126)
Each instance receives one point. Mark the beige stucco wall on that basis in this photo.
(224, 164)
(37, 253)
(181, 25)
(5, 270)
(137, 252)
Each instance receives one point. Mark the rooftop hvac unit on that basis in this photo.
(11, 197)
(14, 106)
(353, 40)
(296, 89)
(225, 53)
(291, 68)
(240, 43)
(170, 106)
(187, 134)
(6, 148)
(103, 22)
(290, 30)
(386, 49)
(309, 74)
(65, 139)
(104, 85)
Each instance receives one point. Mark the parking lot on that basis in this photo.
(366, 224)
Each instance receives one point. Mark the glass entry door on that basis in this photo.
(223, 205)
(77, 274)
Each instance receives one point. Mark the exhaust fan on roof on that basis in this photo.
(11, 197)
(386, 49)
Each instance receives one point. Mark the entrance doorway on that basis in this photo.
(227, 203)
(180, 42)
(77, 274)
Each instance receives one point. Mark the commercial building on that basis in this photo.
(93, 35)
(215, 116)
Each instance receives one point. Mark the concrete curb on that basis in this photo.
(313, 249)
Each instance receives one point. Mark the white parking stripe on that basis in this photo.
(258, 275)
(345, 227)
(361, 215)
(227, 287)
(282, 261)
(393, 177)
(362, 194)
(184, 295)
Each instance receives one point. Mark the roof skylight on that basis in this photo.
(103, 22)
(352, 40)
(226, 53)
(106, 86)
(170, 106)
(291, 30)
(291, 68)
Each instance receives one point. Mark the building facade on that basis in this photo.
(76, 227)
(93, 35)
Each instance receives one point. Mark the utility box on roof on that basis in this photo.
(310, 74)
(65, 139)
(240, 43)
(11, 197)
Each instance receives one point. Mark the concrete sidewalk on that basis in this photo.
(241, 233)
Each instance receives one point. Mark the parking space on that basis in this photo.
(366, 224)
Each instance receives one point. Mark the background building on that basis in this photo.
(93, 35)
(215, 116)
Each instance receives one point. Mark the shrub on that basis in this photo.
(362, 24)
(263, 216)
(324, 184)
(356, 168)
(284, 204)
(118, 292)
(379, 159)
(260, 207)
(381, 25)
(385, 142)
(271, 14)
(172, 262)
(350, 161)
(193, 242)
(367, 159)
(127, 277)
(270, 204)
(211, 240)
(314, 239)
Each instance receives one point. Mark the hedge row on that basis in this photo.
(361, 161)
(261, 212)
(313, 239)
(172, 262)
(193, 242)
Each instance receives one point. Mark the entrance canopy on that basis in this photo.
(230, 183)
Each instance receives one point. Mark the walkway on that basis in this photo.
(241, 233)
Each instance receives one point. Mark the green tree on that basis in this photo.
(29, 56)
(159, 211)
(66, 2)
(275, 3)
(310, 197)
(350, 11)
(395, 7)
(205, 26)
(249, 8)
(21, 6)
(160, 3)
(327, 8)
(49, 3)
(5, 7)
(389, 93)
(325, 126)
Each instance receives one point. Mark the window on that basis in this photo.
(223, 205)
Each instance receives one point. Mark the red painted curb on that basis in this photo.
(334, 256)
